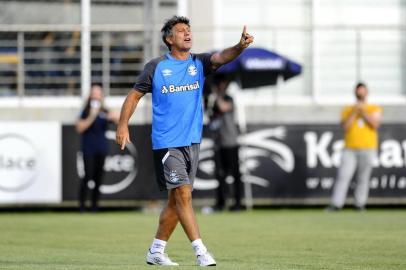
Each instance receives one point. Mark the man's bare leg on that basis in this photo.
(167, 224)
(186, 215)
(185, 212)
(168, 219)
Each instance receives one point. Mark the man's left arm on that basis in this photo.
(229, 54)
(372, 119)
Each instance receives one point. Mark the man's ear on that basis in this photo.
(168, 39)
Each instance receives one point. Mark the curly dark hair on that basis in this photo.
(169, 24)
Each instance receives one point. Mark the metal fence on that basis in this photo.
(47, 58)
(48, 62)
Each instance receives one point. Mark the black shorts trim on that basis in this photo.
(159, 167)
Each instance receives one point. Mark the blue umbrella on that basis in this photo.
(259, 67)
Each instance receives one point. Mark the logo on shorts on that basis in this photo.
(192, 70)
(173, 177)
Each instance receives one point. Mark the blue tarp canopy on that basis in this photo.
(259, 67)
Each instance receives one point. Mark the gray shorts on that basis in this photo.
(175, 167)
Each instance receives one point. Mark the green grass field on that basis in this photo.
(262, 239)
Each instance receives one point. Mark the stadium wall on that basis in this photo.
(41, 163)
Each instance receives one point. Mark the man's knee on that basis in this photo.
(182, 194)
(171, 200)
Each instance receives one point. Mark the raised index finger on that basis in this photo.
(244, 30)
(123, 144)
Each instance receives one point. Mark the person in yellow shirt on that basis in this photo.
(360, 123)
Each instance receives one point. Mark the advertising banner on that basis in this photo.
(30, 162)
(300, 161)
(279, 161)
(128, 174)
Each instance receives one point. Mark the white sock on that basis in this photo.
(199, 247)
(158, 246)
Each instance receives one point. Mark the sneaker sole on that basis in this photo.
(213, 264)
(150, 263)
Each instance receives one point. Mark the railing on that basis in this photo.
(48, 62)
(40, 61)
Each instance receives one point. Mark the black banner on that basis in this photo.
(280, 162)
(128, 173)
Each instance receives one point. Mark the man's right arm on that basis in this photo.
(224, 104)
(83, 124)
(130, 103)
(349, 119)
(229, 54)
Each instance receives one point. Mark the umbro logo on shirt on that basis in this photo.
(166, 72)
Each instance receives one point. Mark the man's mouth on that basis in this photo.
(187, 39)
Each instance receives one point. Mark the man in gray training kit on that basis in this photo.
(176, 81)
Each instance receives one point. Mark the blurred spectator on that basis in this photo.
(53, 64)
(9, 60)
(360, 123)
(92, 126)
(225, 133)
(48, 52)
(71, 64)
(39, 60)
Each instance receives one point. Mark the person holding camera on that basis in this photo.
(225, 133)
(92, 126)
(360, 123)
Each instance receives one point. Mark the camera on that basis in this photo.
(95, 104)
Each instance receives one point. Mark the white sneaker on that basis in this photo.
(157, 258)
(206, 259)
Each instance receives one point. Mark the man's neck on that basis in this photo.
(180, 55)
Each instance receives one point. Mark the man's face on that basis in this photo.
(181, 38)
(361, 93)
